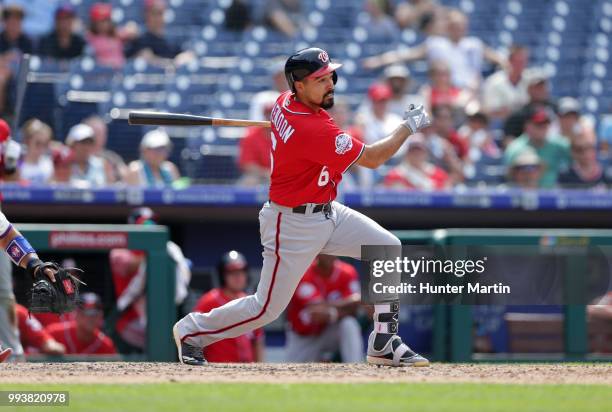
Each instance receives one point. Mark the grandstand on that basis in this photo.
(570, 38)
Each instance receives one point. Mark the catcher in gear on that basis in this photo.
(55, 288)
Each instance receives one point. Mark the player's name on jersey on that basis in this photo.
(425, 288)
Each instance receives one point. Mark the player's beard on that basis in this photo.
(328, 101)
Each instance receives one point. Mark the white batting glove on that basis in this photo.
(416, 118)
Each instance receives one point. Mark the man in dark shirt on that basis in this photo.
(62, 43)
(585, 171)
(12, 44)
(12, 37)
(153, 42)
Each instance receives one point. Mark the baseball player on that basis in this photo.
(233, 279)
(301, 220)
(321, 314)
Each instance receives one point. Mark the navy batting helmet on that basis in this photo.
(310, 62)
(232, 260)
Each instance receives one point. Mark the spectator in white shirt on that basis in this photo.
(36, 166)
(463, 54)
(506, 90)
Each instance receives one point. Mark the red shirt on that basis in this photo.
(309, 153)
(314, 288)
(31, 332)
(47, 319)
(66, 333)
(255, 147)
(402, 177)
(233, 350)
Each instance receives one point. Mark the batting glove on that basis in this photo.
(416, 118)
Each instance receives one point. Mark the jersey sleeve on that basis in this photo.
(31, 330)
(333, 147)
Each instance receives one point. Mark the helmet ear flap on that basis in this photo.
(335, 77)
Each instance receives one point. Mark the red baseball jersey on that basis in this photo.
(65, 333)
(309, 153)
(233, 350)
(255, 147)
(316, 288)
(31, 332)
(47, 319)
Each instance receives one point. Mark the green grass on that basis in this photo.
(422, 397)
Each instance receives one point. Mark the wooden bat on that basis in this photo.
(178, 119)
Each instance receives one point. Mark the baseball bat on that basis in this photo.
(179, 119)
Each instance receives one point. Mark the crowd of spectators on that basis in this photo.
(506, 118)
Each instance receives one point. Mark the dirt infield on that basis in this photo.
(129, 372)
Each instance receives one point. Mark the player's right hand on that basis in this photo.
(416, 118)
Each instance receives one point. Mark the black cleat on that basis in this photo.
(188, 354)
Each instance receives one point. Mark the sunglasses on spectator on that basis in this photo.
(528, 168)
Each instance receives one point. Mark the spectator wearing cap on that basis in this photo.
(104, 38)
(475, 131)
(525, 170)
(571, 124)
(505, 91)
(36, 165)
(398, 78)
(152, 44)
(12, 37)
(552, 150)
(153, 168)
(87, 170)
(585, 170)
(113, 163)
(416, 170)
(538, 92)
(83, 335)
(279, 85)
(376, 122)
(62, 43)
(254, 150)
(13, 42)
(463, 54)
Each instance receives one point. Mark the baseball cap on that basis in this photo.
(65, 10)
(397, 70)
(379, 91)
(5, 131)
(568, 105)
(539, 116)
(526, 158)
(536, 75)
(155, 139)
(79, 132)
(416, 141)
(100, 11)
(90, 304)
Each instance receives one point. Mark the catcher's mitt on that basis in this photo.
(58, 297)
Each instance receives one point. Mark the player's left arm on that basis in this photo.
(19, 249)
